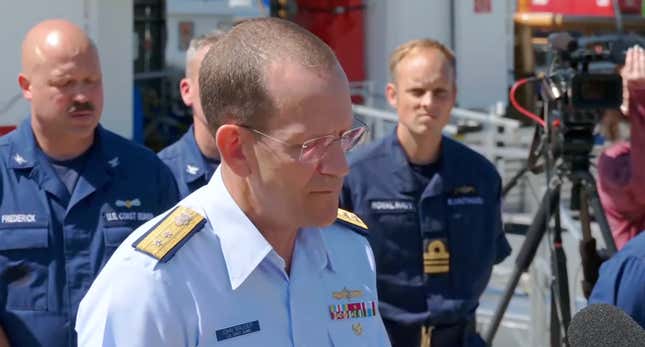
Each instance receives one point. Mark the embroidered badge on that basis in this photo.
(19, 159)
(436, 258)
(392, 206)
(163, 240)
(351, 218)
(114, 162)
(128, 203)
(18, 218)
(464, 195)
(237, 330)
(347, 294)
(353, 310)
(464, 190)
(192, 170)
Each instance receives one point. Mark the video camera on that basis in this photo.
(582, 82)
(578, 90)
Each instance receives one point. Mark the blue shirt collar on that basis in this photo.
(403, 172)
(195, 165)
(243, 247)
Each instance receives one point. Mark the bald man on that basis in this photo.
(193, 158)
(70, 190)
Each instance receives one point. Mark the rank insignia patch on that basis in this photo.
(164, 239)
(352, 220)
(436, 258)
(347, 294)
(353, 310)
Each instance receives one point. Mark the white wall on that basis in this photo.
(482, 42)
(484, 53)
(108, 23)
(391, 23)
(206, 15)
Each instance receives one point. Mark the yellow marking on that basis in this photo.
(172, 230)
(347, 294)
(351, 218)
(357, 328)
(436, 259)
(465, 190)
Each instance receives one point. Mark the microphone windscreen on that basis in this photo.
(604, 325)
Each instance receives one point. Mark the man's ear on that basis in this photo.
(390, 94)
(25, 86)
(230, 140)
(186, 90)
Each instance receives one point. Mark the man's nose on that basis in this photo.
(334, 163)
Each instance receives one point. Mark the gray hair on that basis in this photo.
(198, 42)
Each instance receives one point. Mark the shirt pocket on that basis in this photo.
(24, 262)
(471, 243)
(396, 241)
(113, 237)
(354, 332)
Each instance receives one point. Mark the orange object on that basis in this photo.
(580, 7)
(341, 24)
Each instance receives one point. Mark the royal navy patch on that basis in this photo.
(350, 219)
(164, 239)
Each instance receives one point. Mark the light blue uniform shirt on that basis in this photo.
(226, 286)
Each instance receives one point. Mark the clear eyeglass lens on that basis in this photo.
(316, 149)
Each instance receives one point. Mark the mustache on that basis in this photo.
(81, 106)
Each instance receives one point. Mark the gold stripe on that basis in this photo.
(169, 233)
(436, 269)
(426, 336)
(350, 218)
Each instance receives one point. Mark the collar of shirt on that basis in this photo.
(99, 168)
(244, 248)
(194, 162)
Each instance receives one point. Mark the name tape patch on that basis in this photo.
(18, 218)
(392, 206)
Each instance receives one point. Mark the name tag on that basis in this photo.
(392, 206)
(237, 330)
(115, 217)
(466, 200)
(18, 218)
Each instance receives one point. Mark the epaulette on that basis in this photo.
(164, 239)
(350, 219)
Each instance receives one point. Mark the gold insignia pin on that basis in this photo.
(465, 190)
(183, 219)
(357, 328)
(347, 294)
(436, 258)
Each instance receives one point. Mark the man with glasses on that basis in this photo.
(433, 207)
(252, 259)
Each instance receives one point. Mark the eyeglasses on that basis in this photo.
(314, 150)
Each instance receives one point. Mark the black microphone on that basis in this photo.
(604, 325)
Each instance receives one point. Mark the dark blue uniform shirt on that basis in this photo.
(187, 163)
(435, 240)
(53, 243)
(621, 281)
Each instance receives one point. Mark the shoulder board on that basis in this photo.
(350, 219)
(164, 239)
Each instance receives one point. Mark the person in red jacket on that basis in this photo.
(621, 167)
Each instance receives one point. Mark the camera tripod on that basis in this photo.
(574, 166)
